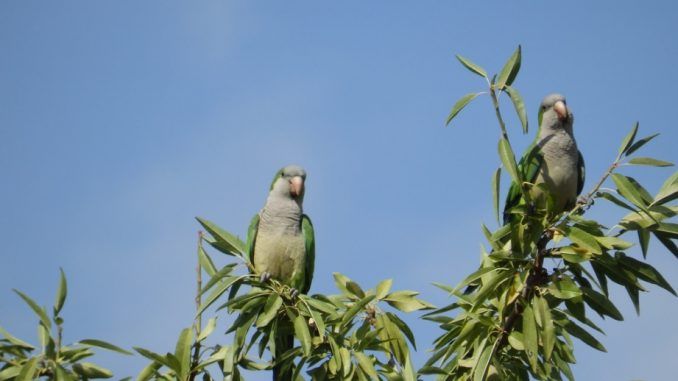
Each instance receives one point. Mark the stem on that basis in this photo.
(198, 319)
(495, 102)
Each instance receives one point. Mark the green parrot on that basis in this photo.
(281, 243)
(552, 160)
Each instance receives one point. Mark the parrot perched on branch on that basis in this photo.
(281, 243)
(552, 161)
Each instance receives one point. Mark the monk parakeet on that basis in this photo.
(281, 242)
(552, 160)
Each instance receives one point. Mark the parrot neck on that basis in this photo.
(281, 215)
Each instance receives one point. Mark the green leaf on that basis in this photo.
(628, 140)
(644, 240)
(404, 328)
(28, 370)
(461, 103)
(61, 293)
(383, 288)
(15, 341)
(644, 271)
(104, 345)
(483, 363)
(635, 146)
(303, 334)
(206, 262)
(42, 314)
(650, 161)
(582, 238)
(10, 372)
(601, 304)
(509, 160)
(510, 70)
(148, 371)
(580, 333)
(89, 370)
(357, 306)
(366, 365)
(208, 329)
(471, 66)
(496, 183)
(157, 358)
(225, 242)
(519, 106)
(615, 200)
(628, 190)
(530, 338)
(406, 301)
(355, 289)
(548, 335)
(182, 351)
(271, 308)
(668, 191)
(564, 288)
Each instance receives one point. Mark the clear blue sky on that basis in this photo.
(122, 120)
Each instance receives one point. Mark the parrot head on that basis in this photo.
(289, 182)
(554, 114)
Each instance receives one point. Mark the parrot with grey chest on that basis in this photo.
(553, 161)
(281, 243)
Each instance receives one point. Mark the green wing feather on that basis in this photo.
(309, 238)
(252, 237)
(581, 172)
(529, 168)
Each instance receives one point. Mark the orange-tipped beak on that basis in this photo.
(296, 186)
(561, 110)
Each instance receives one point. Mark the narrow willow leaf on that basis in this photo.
(515, 340)
(644, 240)
(403, 328)
(650, 161)
(615, 200)
(28, 370)
(510, 70)
(548, 334)
(383, 288)
(225, 242)
(471, 66)
(273, 304)
(37, 309)
(519, 106)
(148, 371)
(15, 341)
(635, 146)
(208, 329)
(154, 357)
(580, 333)
(582, 238)
(564, 288)
(206, 262)
(496, 184)
(182, 351)
(483, 363)
(644, 271)
(668, 191)
(105, 345)
(461, 103)
(628, 190)
(509, 160)
(303, 334)
(628, 140)
(89, 370)
(601, 304)
(61, 293)
(530, 338)
(366, 365)
(355, 289)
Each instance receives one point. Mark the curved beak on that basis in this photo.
(561, 110)
(296, 186)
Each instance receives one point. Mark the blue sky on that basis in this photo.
(121, 121)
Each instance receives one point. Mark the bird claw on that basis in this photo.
(294, 293)
(265, 276)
